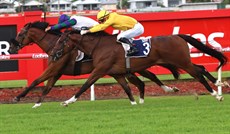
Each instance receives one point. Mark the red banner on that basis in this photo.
(212, 27)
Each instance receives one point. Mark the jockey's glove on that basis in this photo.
(84, 32)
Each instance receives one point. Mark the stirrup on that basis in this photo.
(131, 52)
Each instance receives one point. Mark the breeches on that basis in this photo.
(137, 30)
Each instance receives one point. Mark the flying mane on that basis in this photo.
(40, 25)
(43, 26)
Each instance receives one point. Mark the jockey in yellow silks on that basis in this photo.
(129, 26)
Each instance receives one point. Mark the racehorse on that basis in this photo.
(34, 33)
(109, 56)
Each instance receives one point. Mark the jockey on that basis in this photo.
(130, 27)
(76, 22)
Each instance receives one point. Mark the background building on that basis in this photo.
(86, 5)
(6, 7)
(10, 6)
(60, 5)
(33, 6)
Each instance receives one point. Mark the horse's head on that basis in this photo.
(26, 34)
(21, 39)
(63, 45)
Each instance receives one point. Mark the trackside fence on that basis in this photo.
(30, 56)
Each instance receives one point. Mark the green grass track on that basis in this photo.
(159, 115)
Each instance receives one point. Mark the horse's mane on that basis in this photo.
(40, 25)
(43, 26)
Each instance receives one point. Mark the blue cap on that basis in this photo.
(63, 18)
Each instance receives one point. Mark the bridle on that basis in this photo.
(60, 51)
(42, 37)
(21, 38)
(22, 35)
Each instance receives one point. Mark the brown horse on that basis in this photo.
(34, 33)
(109, 56)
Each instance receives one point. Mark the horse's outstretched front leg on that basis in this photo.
(45, 76)
(91, 80)
(46, 90)
(121, 80)
(30, 87)
(139, 84)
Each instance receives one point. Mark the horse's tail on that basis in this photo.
(203, 48)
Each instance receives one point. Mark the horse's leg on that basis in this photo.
(30, 87)
(192, 70)
(210, 77)
(90, 81)
(154, 78)
(139, 84)
(173, 69)
(121, 80)
(45, 75)
(46, 90)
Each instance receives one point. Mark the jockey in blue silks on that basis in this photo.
(75, 22)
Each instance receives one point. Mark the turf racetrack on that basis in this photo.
(159, 115)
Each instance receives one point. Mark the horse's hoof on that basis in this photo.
(226, 84)
(16, 99)
(64, 104)
(175, 89)
(196, 96)
(133, 102)
(220, 98)
(141, 101)
(37, 105)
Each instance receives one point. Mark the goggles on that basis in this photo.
(102, 20)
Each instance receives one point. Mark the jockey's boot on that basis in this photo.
(132, 49)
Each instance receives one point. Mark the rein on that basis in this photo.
(25, 30)
(59, 52)
(20, 45)
(42, 37)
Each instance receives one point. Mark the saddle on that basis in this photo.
(81, 58)
(143, 44)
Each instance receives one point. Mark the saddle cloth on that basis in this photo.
(143, 44)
